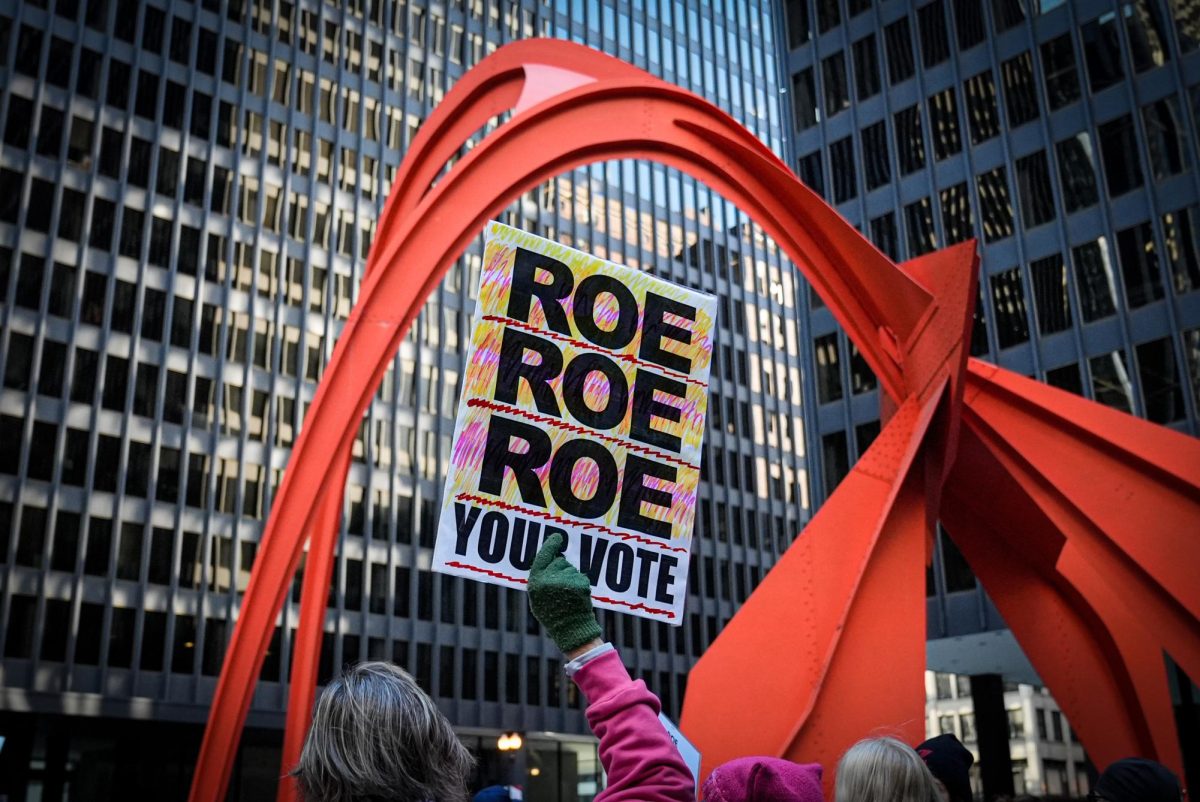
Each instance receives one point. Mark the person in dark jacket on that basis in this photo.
(950, 763)
(1136, 779)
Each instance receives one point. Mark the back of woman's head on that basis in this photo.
(377, 736)
(883, 770)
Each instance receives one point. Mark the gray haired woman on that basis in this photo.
(377, 736)
(883, 770)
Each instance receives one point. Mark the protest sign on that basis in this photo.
(582, 413)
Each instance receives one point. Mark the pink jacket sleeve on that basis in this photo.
(639, 757)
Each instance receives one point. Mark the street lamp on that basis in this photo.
(509, 742)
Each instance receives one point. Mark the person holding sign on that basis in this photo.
(638, 755)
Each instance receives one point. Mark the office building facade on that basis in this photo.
(188, 192)
(1061, 135)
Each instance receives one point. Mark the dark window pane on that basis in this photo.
(811, 172)
(910, 141)
(1066, 378)
(1008, 13)
(1008, 304)
(957, 221)
(1077, 172)
(829, 371)
(943, 119)
(1094, 280)
(804, 100)
(798, 24)
(958, 574)
(833, 74)
(1139, 265)
(1159, 376)
(845, 181)
(1049, 277)
(1111, 384)
(1147, 34)
(918, 222)
(877, 165)
(1187, 24)
(1033, 185)
(1118, 144)
(1166, 138)
(935, 44)
(969, 23)
(1181, 240)
(19, 640)
(835, 461)
(885, 236)
(1020, 93)
(898, 37)
(1058, 66)
(828, 14)
(1102, 51)
(982, 116)
(866, 68)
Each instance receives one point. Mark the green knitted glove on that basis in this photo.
(561, 597)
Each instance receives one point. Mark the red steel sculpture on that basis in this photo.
(1080, 521)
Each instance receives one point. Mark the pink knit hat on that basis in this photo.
(764, 779)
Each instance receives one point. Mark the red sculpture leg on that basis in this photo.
(831, 645)
(306, 653)
(1102, 507)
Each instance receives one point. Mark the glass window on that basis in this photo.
(1058, 67)
(1033, 186)
(798, 24)
(1181, 241)
(1020, 94)
(829, 371)
(1166, 138)
(1066, 378)
(898, 37)
(943, 120)
(1187, 24)
(811, 172)
(1191, 355)
(1118, 144)
(995, 204)
(833, 74)
(1050, 295)
(968, 23)
(1008, 13)
(1159, 375)
(835, 460)
(1111, 385)
(918, 222)
(935, 44)
(885, 236)
(1139, 265)
(845, 180)
(1147, 34)
(877, 167)
(910, 141)
(1094, 280)
(1008, 304)
(959, 576)
(957, 222)
(982, 116)
(828, 15)
(866, 68)
(1102, 51)
(1077, 172)
(804, 100)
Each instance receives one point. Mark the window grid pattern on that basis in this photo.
(190, 195)
(1083, 202)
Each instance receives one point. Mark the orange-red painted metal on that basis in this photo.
(830, 647)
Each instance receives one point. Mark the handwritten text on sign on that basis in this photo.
(582, 414)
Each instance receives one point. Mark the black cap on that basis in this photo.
(1136, 779)
(949, 761)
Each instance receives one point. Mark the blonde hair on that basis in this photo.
(883, 770)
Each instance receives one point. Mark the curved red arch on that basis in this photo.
(868, 541)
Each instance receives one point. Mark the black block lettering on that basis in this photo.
(464, 522)
(646, 407)
(655, 328)
(584, 311)
(525, 286)
(512, 367)
(498, 455)
(574, 380)
(563, 466)
(634, 491)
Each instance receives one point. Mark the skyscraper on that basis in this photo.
(1062, 136)
(189, 193)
